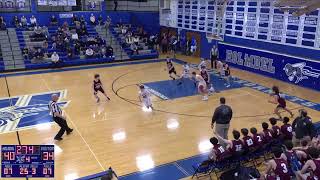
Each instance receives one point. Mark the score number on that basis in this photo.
(47, 156)
(9, 156)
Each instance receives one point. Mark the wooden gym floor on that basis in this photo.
(120, 134)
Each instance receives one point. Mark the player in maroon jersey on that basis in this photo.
(218, 152)
(97, 86)
(234, 146)
(247, 140)
(277, 168)
(293, 157)
(267, 133)
(277, 99)
(205, 75)
(257, 138)
(313, 164)
(286, 129)
(275, 129)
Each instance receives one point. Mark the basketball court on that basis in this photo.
(120, 133)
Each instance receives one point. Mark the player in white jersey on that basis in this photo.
(202, 86)
(145, 97)
(220, 68)
(202, 64)
(185, 73)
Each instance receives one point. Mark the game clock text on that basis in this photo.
(27, 161)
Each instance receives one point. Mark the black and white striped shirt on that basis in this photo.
(54, 108)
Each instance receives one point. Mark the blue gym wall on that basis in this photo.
(280, 55)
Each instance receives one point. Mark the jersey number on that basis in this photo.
(284, 168)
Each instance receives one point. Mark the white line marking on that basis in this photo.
(76, 128)
(181, 169)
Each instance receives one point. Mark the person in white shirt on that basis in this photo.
(220, 68)
(23, 21)
(145, 97)
(92, 19)
(74, 35)
(33, 21)
(55, 58)
(89, 53)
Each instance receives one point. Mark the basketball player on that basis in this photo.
(202, 86)
(171, 69)
(97, 86)
(202, 64)
(145, 97)
(313, 164)
(227, 74)
(277, 99)
(277, 168)
(220, 68)
(185, 73)
(205, 75)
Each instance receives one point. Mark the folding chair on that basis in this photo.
(203, 169)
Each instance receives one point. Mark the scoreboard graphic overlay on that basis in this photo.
(27, 161)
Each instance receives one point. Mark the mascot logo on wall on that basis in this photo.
(300, 71)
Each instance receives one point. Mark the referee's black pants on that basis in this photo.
(63, 126)
(214, 61)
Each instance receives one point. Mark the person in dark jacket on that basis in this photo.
(222, 117)
(303, 128)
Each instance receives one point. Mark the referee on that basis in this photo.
(56, 112)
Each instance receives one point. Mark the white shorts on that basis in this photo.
(202, 88)
(146, 102)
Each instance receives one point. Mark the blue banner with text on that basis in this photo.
(299, 71)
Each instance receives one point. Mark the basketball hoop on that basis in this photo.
(215, 37)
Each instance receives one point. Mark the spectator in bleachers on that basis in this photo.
(16, 21)
(75, 19)
(38, 34)
(136, 40)
(82, 20)
(53, 21)
(89, 52)
(25, 52)
(38, 55)
(2, 24)
(109, 51)
(302, 127)
(108, 22)
(100, 20)
(77, 48)
(69, 52)
(45, 46)
(33, 21)
(92, 20)
(115, 5)
(24, 21)
(55, 58)
(74, 35)
(134, 49)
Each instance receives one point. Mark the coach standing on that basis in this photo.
(56, 112)
(222, 117)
